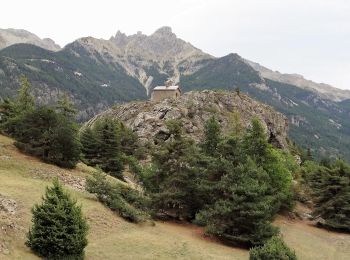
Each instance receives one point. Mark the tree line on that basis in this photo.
(48, 132)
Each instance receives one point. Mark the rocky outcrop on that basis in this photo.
(12, 36)
(147, 119)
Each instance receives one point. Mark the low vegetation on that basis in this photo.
(119, 197)
(274, 249)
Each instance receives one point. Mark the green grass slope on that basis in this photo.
(24, 179)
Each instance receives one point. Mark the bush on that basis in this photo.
(274, 249)
(59, 229)
(128, 203)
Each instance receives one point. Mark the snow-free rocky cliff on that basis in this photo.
(147, 119)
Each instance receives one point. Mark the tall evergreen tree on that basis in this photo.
(12, 111)
(7, 112)
(243, 211)
(255, 142)
(332, 196)
(25, 100)
(89, 146)
(66, 107)
(212, 136)
(175, 175)
(59, 229)
(50, 136)
(110, 157)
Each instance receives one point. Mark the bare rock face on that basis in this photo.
(147, 119)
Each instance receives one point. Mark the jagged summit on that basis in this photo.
(165, 31)
(161, 52)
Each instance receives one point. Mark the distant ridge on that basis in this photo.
(9, 37)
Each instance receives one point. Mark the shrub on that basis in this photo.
(128, 203)
(273, 249)
(59, 229)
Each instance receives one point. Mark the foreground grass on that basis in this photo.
(24, 178)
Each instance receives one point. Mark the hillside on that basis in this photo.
(92, 83)
(316, 123)
(98, 74)
(110, 236)
(22, 184)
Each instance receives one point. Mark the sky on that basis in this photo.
(308, 37)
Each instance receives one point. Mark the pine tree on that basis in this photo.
(255, 142)
(175, 175)
(243, 211)
(64, 147)
(332, 196)
(66, 107)
(25, 101)
(7, 112)
(59, 229)
(212, 137)
(50, 136)
(110, 157)
(12, 111)
(89, 146)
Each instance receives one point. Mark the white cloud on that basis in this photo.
(308, 37)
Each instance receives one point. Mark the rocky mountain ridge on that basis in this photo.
(324, 90)
(11, 36)
(141, 55)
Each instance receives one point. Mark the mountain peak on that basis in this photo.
(165, 30)
(13, 36)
